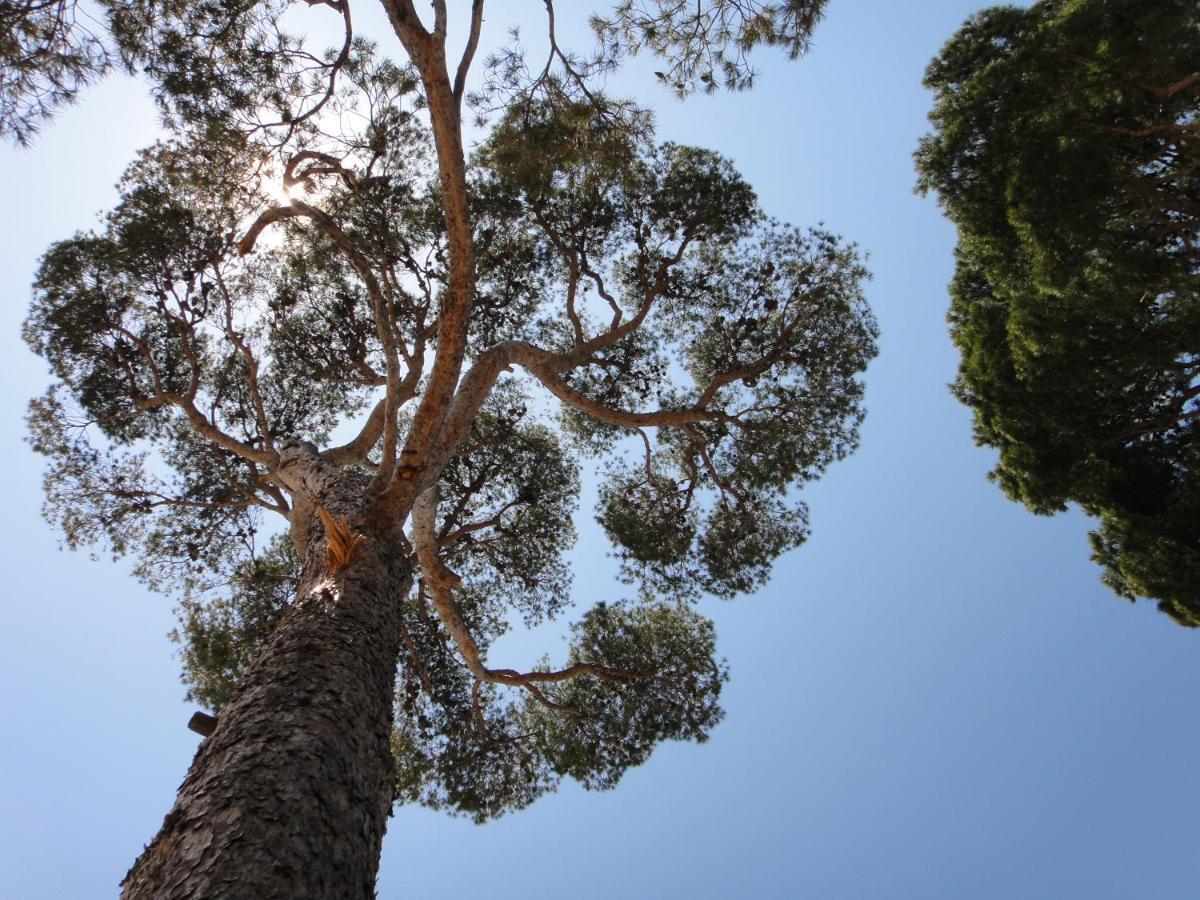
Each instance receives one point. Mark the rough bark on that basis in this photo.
(290, 795)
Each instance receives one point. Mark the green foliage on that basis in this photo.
(47, 55)
(1065, 152)
(621, 722)
(459, 750)
(1141, 558)
(140, 324)
(220, 634)
(772, 318)
(288, 244)
(706, 44)
(776, 318)
(510, 494)
(219, 65)
(458, 743)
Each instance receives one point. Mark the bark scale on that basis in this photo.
(290, 795)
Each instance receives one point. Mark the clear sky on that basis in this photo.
(934, 697)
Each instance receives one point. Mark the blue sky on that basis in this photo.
(934, 697)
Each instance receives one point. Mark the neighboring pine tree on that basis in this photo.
(1067, 152)
(312, 307)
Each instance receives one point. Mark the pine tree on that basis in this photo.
(312, 307)
(1066, 151)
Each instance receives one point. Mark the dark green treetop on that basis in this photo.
(1067, 152)
(298, 260)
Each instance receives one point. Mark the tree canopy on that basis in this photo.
(1067, 152)
(309, 266)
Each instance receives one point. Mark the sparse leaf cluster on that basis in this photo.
(707, 44)
(49, 51)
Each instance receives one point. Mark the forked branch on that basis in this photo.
(382, 313)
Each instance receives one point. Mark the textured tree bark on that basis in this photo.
(289, 797)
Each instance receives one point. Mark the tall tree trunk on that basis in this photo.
(289, 797)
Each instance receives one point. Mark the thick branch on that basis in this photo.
(322, 164)
(406, 23)
(545, 366)
(356, 450)
(453, 315)
(207, 429)
(270, 217)
(1183, 83)
(439, 19)
(619, 417)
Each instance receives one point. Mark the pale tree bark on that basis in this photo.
(290, 795)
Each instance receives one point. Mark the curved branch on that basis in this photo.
(397, 391)
(324, 164)
(266, 219)
(356, 450)
(464, 65)
(207, 429)
(545, 366)
(619, 417)
(342, 6)
(442, 582)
